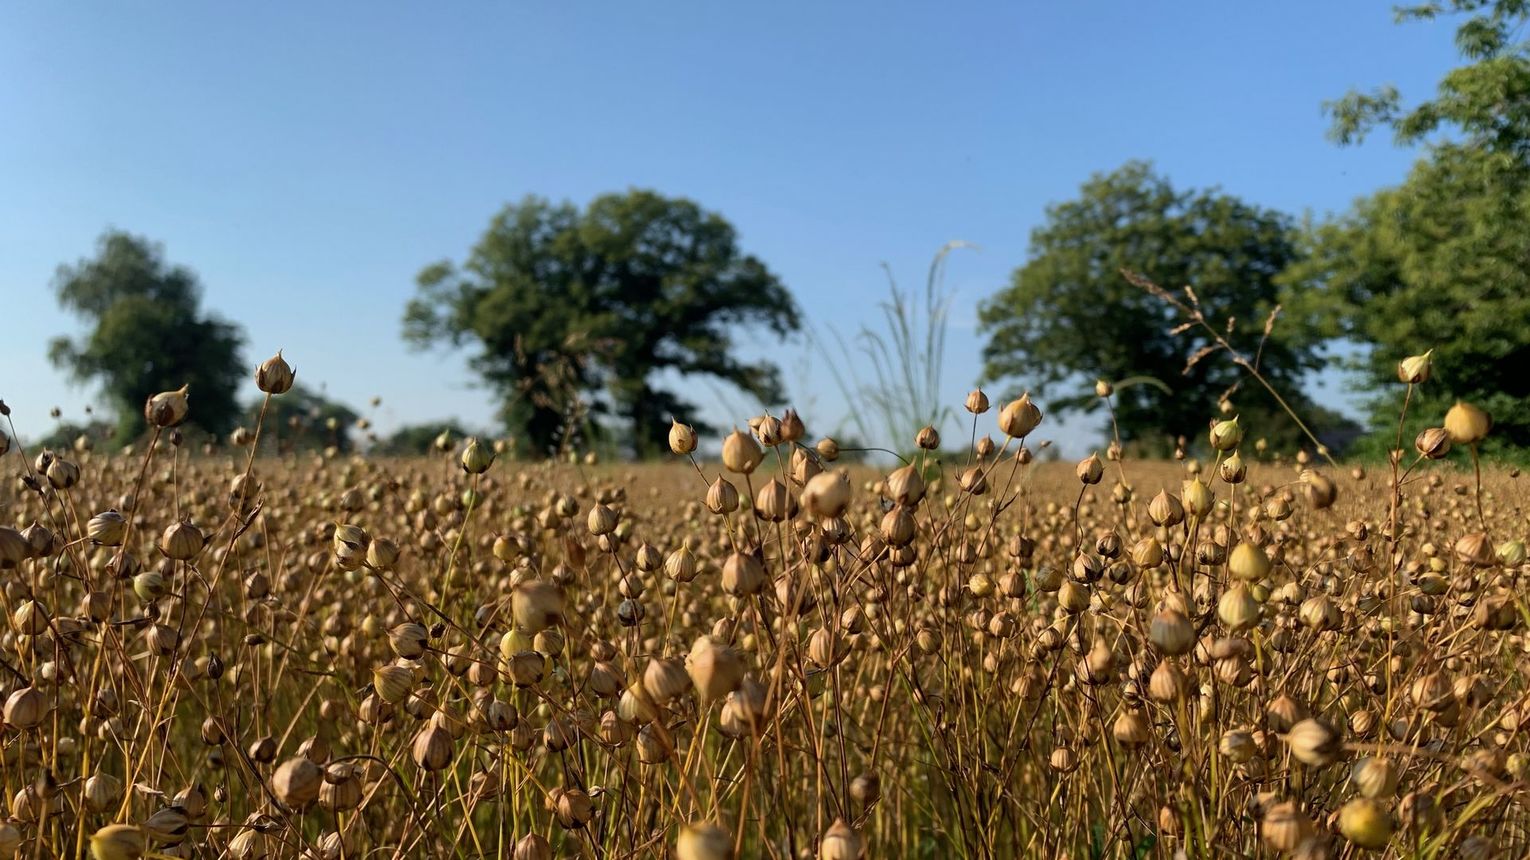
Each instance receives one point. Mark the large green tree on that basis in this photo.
(1069, 317)
(147, 333)
(1439, 262)
(571, 309)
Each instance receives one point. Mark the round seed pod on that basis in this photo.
(532, 846)
(740, 453)
(107, 528)
(409, 640)
(1285, 826)
(1466, 424)
(274, 375)
(25, 708)
(703, 841)
(742, 575)
(296, 782)
(118, 842)
(181, 541)
(1366, 823)
(393, 683)
(573, 809)
(714, 668)
(1375, 777)
(536, 605)
(1171, 632)
(102, 792)
(432, 749)
(841, 842)
(1314, 742)
(1019, 417)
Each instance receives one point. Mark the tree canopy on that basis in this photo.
(147, 334)
(1069, 317)
(1438, 261)
(572, 308)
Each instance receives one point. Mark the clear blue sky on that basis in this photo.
(307, 159)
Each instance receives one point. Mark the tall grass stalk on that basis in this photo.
(902, 393)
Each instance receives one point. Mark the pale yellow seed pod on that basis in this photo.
(1415, 369)
(1466, 424)
(1019, 417)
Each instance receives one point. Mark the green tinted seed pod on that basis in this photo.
(476, 458)
(1197, 497)
(1248, 562)
(1237, 608)
(1225, 435)
(1414, 370)
(118, 842)
(1366, 823)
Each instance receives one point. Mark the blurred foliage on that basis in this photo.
(1069, 317)
(71, 435)
(574, 311)
(304, 418)
(421, 438)
(147, 334)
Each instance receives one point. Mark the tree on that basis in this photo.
(571, 307)
(1439, 261)
(1069, 317)
(148, 334)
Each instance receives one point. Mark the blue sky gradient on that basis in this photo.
(308, 159)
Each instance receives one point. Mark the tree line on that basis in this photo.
(575, 318)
